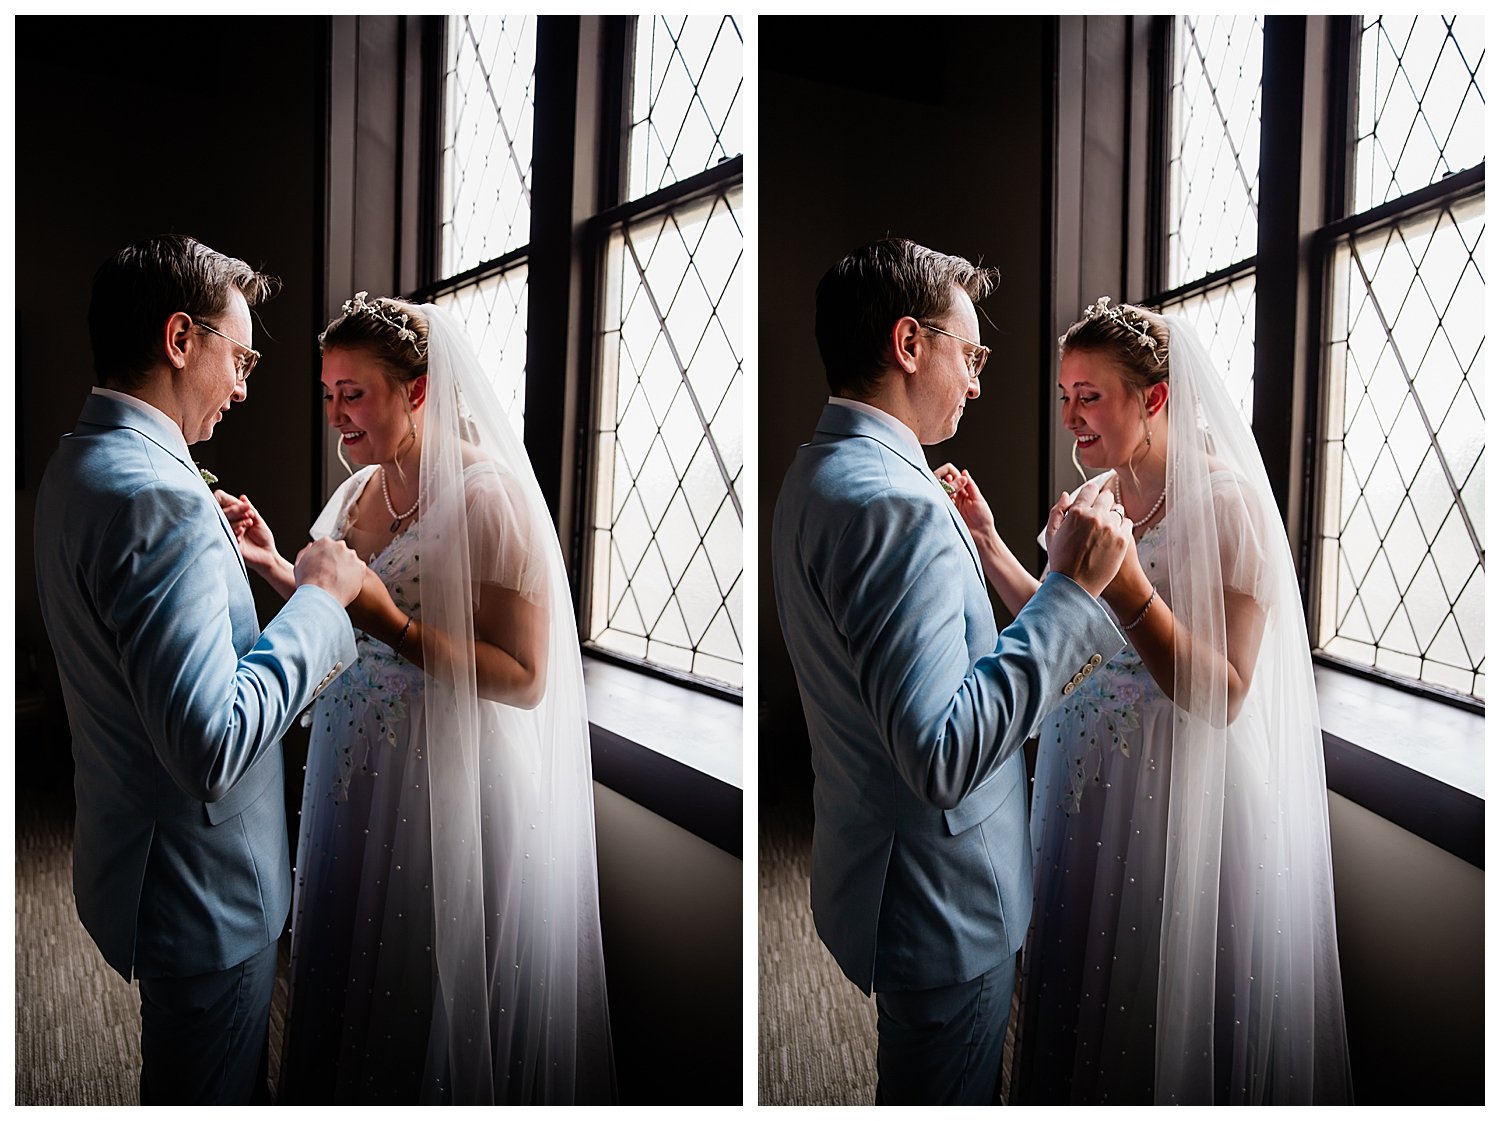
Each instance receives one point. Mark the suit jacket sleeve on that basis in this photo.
(899, 599)
(163, 590)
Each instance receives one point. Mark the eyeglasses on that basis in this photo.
(976, 357)
(245, 362)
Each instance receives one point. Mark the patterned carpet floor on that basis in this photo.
(78, 1024)
(817, 1030)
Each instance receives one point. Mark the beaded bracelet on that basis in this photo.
(1142, 615)
(402, 638)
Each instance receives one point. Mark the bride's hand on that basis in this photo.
(257, 542)
(1130, 587)
(967, 499)
(374, 611)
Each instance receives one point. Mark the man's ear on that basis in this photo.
(418, 391)
(175, 332)
(904, 335)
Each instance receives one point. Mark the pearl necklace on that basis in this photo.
(1151, 513)
(397, 519)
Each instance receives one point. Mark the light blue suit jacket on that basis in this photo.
(916, 708)
(176, 700)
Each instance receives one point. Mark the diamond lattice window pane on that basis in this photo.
(494, 314)
(490, 86)
(689, 94)
(1421, 103)
(1402, 581)
(1215, 162)
(668, 523)
(1224, 319)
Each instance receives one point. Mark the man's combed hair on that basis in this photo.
(138, 289)
(861, 298)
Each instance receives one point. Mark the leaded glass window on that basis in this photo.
(1214, 178)
(1403, 505)
(494, 312)
(490, 84)
(667, 570)
(1401, 579)
(1421, 105)
(489, 90)
(1224, 318)
(1215, 164)
(687, 103)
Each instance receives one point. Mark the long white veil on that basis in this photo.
(1250, 1001)
(519, 966)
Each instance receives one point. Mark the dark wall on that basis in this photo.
(130, 127)
(671, 914)
(934, 129)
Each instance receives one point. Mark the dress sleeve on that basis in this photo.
(331, 519)
(1242, 536)
(503, 546)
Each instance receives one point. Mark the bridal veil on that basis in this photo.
(1250, 1001)
(519, 985)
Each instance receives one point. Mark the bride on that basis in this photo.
(445, 929)
(1183, 945)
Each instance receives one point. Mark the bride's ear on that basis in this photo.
(417, 389)
(1156, 397)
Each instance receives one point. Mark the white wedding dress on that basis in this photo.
(360, 1025)
(1183, 947)
(446, 944)
(1098, 834)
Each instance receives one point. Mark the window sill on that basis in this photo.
(674, 750)
(1416, 762)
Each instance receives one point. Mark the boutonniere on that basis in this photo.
(209, 478)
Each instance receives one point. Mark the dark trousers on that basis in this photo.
(204, 1038)
(943, 1046)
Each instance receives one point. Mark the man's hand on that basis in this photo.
(1088, 536)
(332, 566)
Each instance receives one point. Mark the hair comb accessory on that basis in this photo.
(1132, 320)
(360, 306)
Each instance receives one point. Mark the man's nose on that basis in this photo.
(241, 391)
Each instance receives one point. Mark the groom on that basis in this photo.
(176, 699)
(916, 709)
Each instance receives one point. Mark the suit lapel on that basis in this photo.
(229, 533)
(840, 422)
